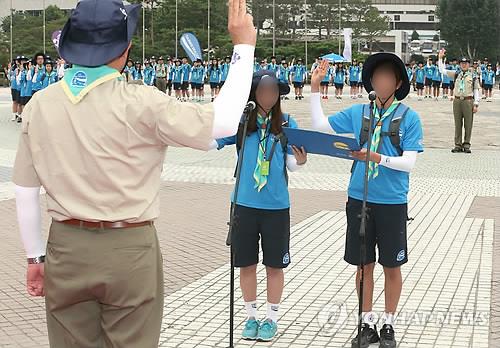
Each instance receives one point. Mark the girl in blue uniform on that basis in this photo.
(177, 78)
(489, 81)
(327, 80)
(263, 205)
(420, 79)
(339, 80)
(12, 72)
(354, 78)
(149, 73)
(283, 75)
(197, 76)
(299, 76)
(214, 75)
(50, 76)
(137, 73)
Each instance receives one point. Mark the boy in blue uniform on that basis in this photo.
(12, 72)
(186, 72)
(420, 79)
(149, 73)
(283, 75)
(197, 77)
(489, 82)
(436, 83)
(339, 80)
(327, 80)
(262, 208)
(429, 73)
(136, 72)
(390, 165)
(214, 75)
(354, 79)
(37, 72)
(298, 77)
(273, 66)
(177, 75)
(50, 76)
(24, 80)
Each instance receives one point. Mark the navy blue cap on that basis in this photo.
(98, 31)
(269, 77)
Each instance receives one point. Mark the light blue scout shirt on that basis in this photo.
(37, 78)
(420, 75)
(177, 74)
(339, 76)
(489, 77)
(436, 76)
(186, 71)
(354, 73)
(149, 75)
(299, 73)
(328, 75)
(274, 195)
(13, 79)
(214, 74)
(284, 74)
(136, 74)
(26, 84)
(197, 74)
(429, 71)
(49, 79)
(409, 72)
(224, 71)
(390, 186)
(446, 78)
(273, 67)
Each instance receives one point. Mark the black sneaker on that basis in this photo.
(457, 149)
(19, 119)
(467, 151)
(387, 339)
(368, 336)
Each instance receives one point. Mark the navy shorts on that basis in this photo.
(270, 227)
(185, 86)
(488, 87)
(420, 85)
(446, 85)
(354, 83)
(298, 84)
(324, 83)
(14, 94)
(386, 229)
(428, 82)
(436, 84)
(24, 100)
(177, 86)
(214, 85)
(339, 85)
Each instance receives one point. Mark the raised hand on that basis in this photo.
(318, 75)
(240, 23)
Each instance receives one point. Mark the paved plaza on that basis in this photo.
(451, 291)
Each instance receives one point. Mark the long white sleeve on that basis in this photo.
(442, 69)
(291, 163)
(319, 121)
(29, 217)
(404, 163)
(230, 103)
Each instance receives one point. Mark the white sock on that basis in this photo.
(272, 311)
(369, 318)
(251, 308)
(389, 318)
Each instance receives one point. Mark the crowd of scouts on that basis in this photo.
(27, 76)
(429, 82)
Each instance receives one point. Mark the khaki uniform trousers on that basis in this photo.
(464, 118)
(103, 287)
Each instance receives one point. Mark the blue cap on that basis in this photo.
(98, 31)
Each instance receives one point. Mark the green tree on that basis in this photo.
(415, 35)
(471, 27)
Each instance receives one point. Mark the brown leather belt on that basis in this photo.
(465, 98)
(105, 224)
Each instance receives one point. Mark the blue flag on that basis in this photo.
(191, 45)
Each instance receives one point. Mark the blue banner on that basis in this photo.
(191, 45)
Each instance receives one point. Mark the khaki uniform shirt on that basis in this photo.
(101, 159)
(468, 88)
(161, 70)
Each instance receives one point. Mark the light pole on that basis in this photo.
(143, 32)
(11, 19)
(208, 28)
(340, 26)
(274, 28)
(305, 27)
(43, 4)
(176, 30)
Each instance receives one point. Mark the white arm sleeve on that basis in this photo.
(29, 217)
(404, 163)
(442, 69)
(477, 97)
(213, 145)
(319, 121)
(291, 163)
(233, 96)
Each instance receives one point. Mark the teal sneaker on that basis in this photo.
(250, 330)
(267, 330)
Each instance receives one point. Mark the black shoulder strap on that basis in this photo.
(394, 127)
(365, 125)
